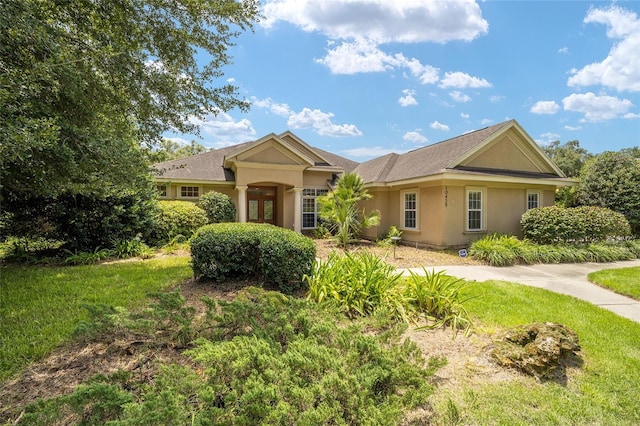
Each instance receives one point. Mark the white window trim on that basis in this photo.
(532, 191)
(403, 210)
(179, 194)
(316, 213)
(483, 208)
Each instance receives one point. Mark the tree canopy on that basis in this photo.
(612, 179)
(569, 156)
(84, 83)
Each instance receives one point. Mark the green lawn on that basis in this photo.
(607, 389)
(624, 281)
(41, 306)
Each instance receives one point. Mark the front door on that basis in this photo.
(261, 204)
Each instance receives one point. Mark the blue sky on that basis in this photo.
(362, 78)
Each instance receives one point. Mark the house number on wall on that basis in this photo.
(446, 196)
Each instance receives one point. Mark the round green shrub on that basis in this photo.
(226, 251)
(550, 225)
(218, 207)
(178, 218)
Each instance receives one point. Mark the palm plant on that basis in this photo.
(340, 209)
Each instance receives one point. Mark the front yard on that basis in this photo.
(42, 306)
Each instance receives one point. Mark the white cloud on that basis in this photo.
(408, 98)
(631, 116)
(358, 56)
(225, 130)
(573, 128)
(486, 121)
(458, 96)
(321, 123)
(495, 99)
(439, 126)
(179, 141)
(596, 108)
(307, 118)
(282, 110)
(465, 116)
(415, 137)
(367, 152)
(564, 50)
(547, 138)
(462, 80)
(382, 21)
(545, 107)
(621, 68)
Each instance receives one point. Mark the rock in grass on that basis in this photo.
(542, 350)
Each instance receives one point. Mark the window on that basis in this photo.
(533, 200)
(189, 191)
(474, 209)
(162, 190)
(310, 206)
(410, 210)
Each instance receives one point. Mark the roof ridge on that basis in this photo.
(498, 125)
(389, 164)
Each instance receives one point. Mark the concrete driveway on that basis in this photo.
(570, 279)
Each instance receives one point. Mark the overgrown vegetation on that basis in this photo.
(276, 255)
(261, 359)
(362, 284)
(550, 225)
(505, 250)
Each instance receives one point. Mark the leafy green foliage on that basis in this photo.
(505, 250)
(168, 149)
(391, 237)
(218, 207)
(340, 209)
(547, 225)
(611, 180)
(83, 84)
(87, 221)
(439, 297)
(569, 157)
(362, 284)
(240, 250)
(178, 218)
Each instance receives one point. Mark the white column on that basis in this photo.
(242, 203)
(297, 209)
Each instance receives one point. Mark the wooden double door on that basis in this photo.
(261, 204)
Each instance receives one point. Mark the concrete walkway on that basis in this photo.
(570, 279)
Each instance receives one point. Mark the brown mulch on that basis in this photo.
(402, 256)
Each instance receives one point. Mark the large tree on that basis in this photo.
(570, 158)
(612, 179)
(84, 83)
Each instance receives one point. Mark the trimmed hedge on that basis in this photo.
(586, 224)
(218, 206)
(178, 218)
(225, 251)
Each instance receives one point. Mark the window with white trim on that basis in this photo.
(533, 200)
(310, 206)
(475, 209)
(162, 190)
(410, 210)
(190, 191)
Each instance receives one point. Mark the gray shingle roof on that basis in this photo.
(425, 161)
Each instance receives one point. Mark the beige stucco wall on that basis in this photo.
(442, 211)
